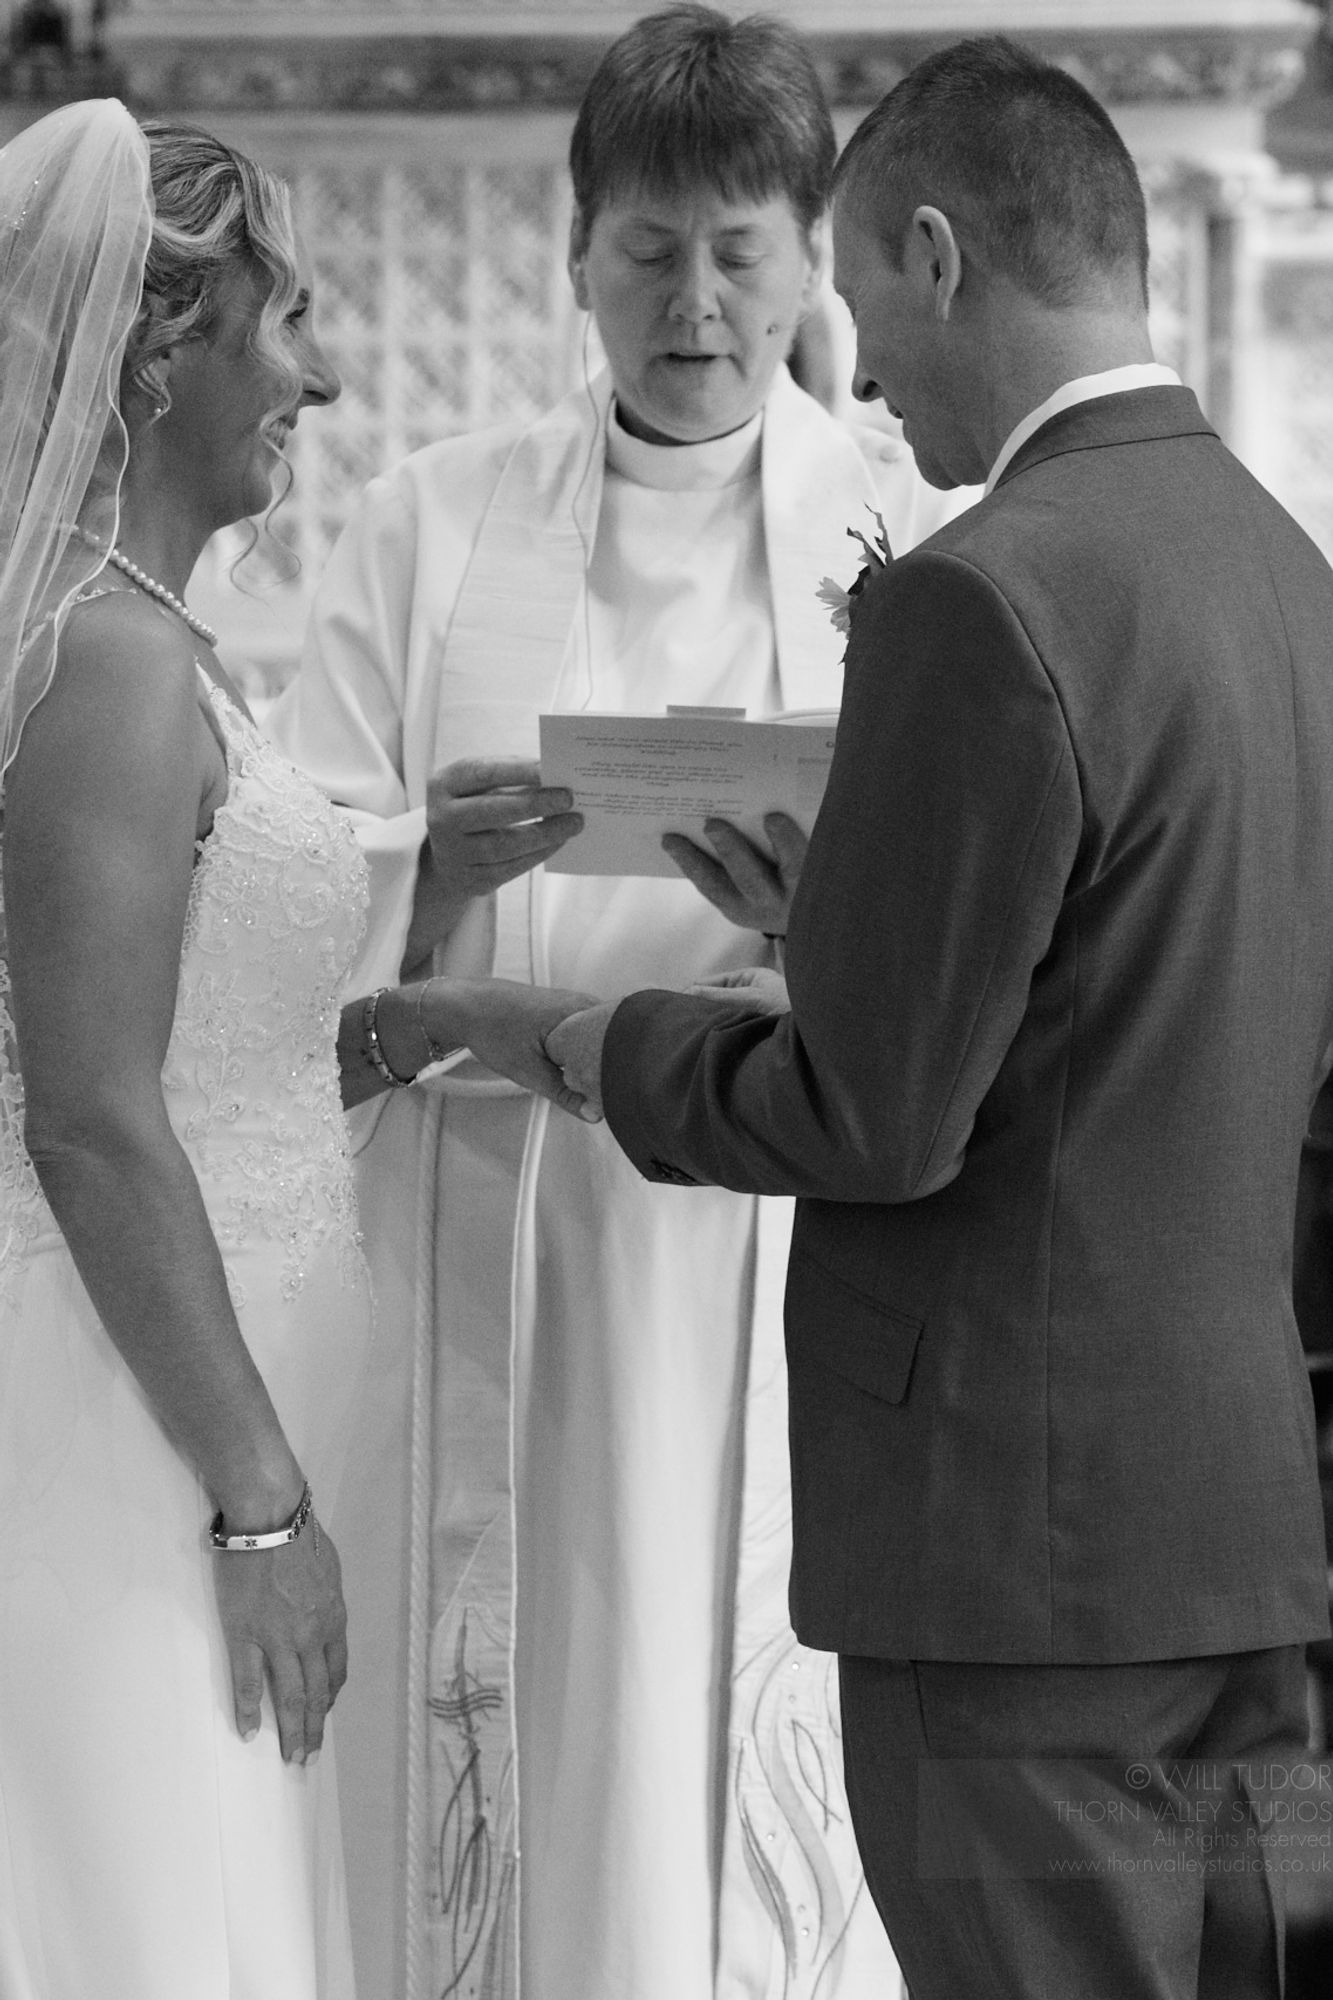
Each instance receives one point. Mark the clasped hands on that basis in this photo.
(574, 1044)
(491, 820)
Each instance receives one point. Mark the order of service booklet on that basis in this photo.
(636, 777)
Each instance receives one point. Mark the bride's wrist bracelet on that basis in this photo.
(434, 1053)
(370, 1026)
(379, 1062)
(273, 1538)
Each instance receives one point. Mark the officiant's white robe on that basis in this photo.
(568, 1535)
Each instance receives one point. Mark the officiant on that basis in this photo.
(572, 1514)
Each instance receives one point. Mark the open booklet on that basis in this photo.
(636, 777)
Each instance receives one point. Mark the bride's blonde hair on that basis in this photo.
(214, 209)
(115, 242)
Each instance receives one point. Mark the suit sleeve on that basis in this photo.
(934, 880)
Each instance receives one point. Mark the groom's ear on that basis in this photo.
(819, 262)
(578, 251)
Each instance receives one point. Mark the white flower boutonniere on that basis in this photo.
(878, 557)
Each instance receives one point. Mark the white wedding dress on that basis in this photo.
(146, 1853)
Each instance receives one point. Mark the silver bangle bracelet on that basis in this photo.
(435, 1053)
(371, 1028)
(274, 1538)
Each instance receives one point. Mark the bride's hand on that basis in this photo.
(283, 1619)
(504, 1023)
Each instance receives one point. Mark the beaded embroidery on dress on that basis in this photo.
(275, 914)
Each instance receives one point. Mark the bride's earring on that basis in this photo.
(151, 383)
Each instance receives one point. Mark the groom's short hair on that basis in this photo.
(689, 98)
(1022, 159)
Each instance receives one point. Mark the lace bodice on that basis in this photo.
(274, 919)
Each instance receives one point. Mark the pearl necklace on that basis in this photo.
(153, 588)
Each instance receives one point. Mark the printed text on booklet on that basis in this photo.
(636, 777)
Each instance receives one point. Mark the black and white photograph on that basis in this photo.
(666, 1000)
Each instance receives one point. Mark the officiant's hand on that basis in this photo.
(489, 819)
(750, 888)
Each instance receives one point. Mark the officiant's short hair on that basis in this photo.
(1017, 154)
(689, 98)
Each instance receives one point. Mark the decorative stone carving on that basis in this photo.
(1152, 71)
(388, 75)
(439, 239)
(387, 58)
(410, 76)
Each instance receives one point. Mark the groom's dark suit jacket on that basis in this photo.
(1061, 970)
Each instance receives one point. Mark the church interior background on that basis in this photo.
(425, 142)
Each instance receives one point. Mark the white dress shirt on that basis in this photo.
(1083, 389)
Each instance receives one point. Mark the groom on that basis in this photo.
(1061, 978)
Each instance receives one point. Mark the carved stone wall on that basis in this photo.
(443, 300)
(1284, 417)
(425, 143)
(452, 56)
(438, 248)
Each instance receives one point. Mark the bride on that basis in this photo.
(183, 1302)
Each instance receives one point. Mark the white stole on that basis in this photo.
(502, 658)
(524, 584)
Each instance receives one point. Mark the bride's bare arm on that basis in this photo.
(102, 806)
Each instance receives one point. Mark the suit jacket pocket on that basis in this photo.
(831, 1323)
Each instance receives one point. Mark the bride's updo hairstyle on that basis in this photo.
(115, 242)
(214, 209)
(689, 98)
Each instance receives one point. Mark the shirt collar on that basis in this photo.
(684, 468)
(1084, 388)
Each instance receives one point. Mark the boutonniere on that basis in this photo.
(878, 557)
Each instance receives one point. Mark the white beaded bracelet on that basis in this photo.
(274, 1538)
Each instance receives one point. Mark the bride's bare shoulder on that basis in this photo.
(120, 640)
(106, 615)
(125, 686)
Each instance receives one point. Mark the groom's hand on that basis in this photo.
(750, 888)
(575, 1047)
(757, 987)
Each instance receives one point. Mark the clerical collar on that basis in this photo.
(1083, 389)
(685, 468)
